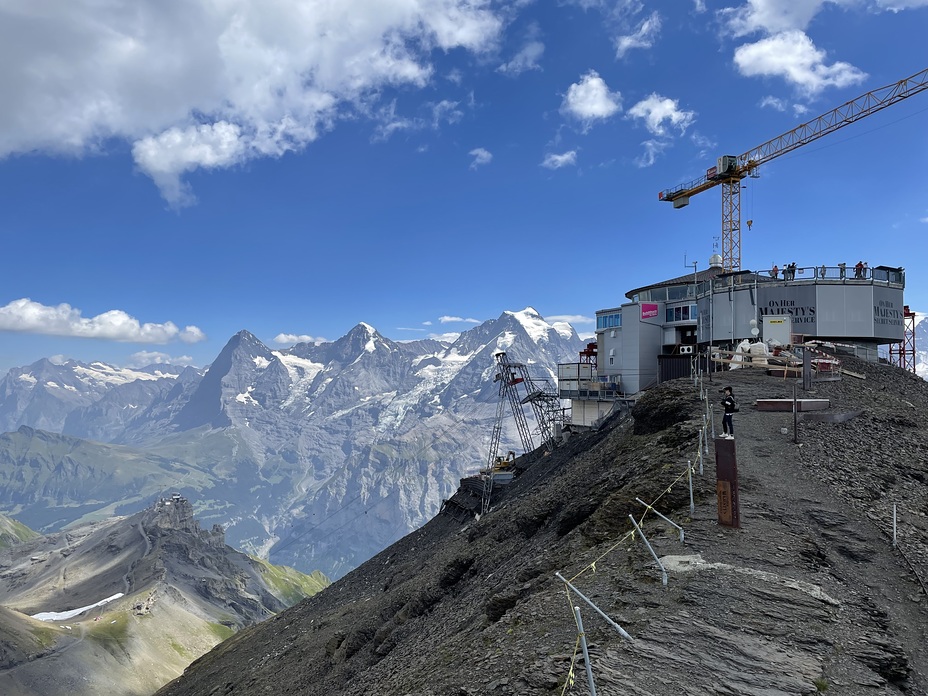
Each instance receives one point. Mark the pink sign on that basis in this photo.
(648, 311)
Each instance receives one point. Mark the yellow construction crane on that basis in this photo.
(731, 169)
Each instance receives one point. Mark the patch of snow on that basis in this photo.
(246, 397)
(70, 388)
(434, 378)
(99, 373)
(370, 346)
(65, 615)
(536, 327)
(261, 362)
(26, 377)
(54, 385)
(302, 373)
(505, 341)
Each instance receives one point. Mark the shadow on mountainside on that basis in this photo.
(808, 595)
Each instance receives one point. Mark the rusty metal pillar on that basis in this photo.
(726, 483)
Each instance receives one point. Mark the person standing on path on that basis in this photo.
(728, 403)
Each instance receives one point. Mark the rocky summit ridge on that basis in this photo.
(125, 604)
(812, 594)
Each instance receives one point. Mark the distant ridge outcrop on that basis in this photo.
(130, 601)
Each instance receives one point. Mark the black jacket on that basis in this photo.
(729, 404)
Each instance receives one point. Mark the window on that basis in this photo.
(684, 313)
(609, 321)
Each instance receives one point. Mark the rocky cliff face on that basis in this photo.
(128, 603)
(316, 456)
(808, 596)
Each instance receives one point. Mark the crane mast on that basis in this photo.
(731, 169)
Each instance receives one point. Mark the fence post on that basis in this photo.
(689, 476)
(651, 549)
(586, 652)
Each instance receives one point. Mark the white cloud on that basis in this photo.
(656, 110)
(406, 328)
(449, 337)
(390, 122)
(897, 5)
(481, 156)
(143, 358)
(703, 143)
(591, 100)
(26, 316)
(553, 161)
(448, 319)
(792, 56)
(289, 339)
(643, 36)
(773, 103)
(652, 148)
(571, 318)
(770, 16)
(211, 84)
(426, 323)
(192, 334)
(924, 219)
(174, 152)
(526, 59)
(446, 111)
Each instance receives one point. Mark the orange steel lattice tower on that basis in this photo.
(903, 354)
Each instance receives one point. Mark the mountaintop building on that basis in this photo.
(653, 336)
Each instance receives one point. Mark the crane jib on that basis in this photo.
(731, 169)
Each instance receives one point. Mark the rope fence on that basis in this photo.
(702, 449)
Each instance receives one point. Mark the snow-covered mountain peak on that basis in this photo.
(537, 328)
(363, 338)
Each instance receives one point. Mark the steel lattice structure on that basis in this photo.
(517, 388)
(903, 354)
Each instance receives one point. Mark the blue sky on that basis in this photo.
(174, 171)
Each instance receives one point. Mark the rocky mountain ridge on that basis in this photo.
(812, 594)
